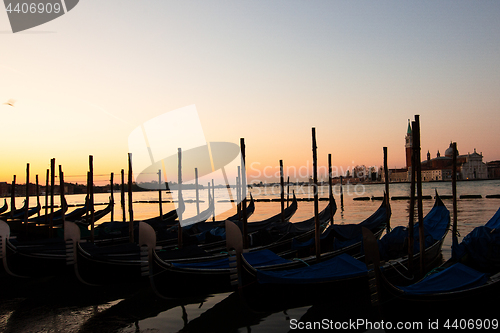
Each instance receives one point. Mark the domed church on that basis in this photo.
(469, 166)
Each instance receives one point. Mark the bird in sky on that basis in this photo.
(10, 102)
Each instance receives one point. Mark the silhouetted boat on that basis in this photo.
(342, 277)
(19, 213)
(463, 287)
(4, 207)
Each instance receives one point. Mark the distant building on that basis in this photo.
(493, 169)
(4, 189)
(469, 166)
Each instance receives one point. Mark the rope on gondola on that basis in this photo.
(400, 273)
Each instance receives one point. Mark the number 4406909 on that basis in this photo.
(33, 8)
(461, 324)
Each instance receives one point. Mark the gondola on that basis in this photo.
(38, 258)
(195, 229)
(214, 238)
(9, 214)
(213, 276)
(277, 242)
(459, 291)
(39, 227)
(57, 216)
(20, 213)
(84, 219)
(121, 261)
(126, 263)
(98, 265)
(118, 231)
(342, 277)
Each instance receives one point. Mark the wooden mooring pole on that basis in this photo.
(330, 187)
(122, 196)
(316, 199)
(27, 206)
(387, 196)
(197, 191)
(91, 197)
(179, 197)
(130, 202)
(37, 195)
(52, 189)
(244, 192)
(112, 197)
(454, 193)
(418, 167)
(159, 195)
(13, 197)
(282, 186)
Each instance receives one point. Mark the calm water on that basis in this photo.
(27, 308)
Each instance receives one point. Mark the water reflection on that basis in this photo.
(62, 305)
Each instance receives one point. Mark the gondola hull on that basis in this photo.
(119, 264)
(470, 304)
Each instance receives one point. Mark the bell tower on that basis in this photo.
(408, 145)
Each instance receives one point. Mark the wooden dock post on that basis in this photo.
(87, 199)
(454, 193)
(13, 197)
(179, 197)
(282, 186)
(416, 135)
(411, 221)
(315, 188)
(213, 196)
(159, 195)
(27, 206)
(122, 196)
(341, 194)
(330, 187)
(47, 196)
(112, 198)
(244, 192)
(61, 193)
(91, 197)
(130, 203)
(238, 193)
(387, 196)
(52, 189)
(37, 195)
(197, 191)
(287, 191)
(210, 200)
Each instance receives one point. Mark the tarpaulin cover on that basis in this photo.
(339, 267)
(256, 259)
(453, 278)
(436, 223)
(347, 234)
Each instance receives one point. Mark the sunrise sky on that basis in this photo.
(266, 71)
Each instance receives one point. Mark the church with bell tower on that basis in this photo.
(408, 145)
(469, 166)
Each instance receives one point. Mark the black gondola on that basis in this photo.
(4, 207)
(341, 277)
(463, 287)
